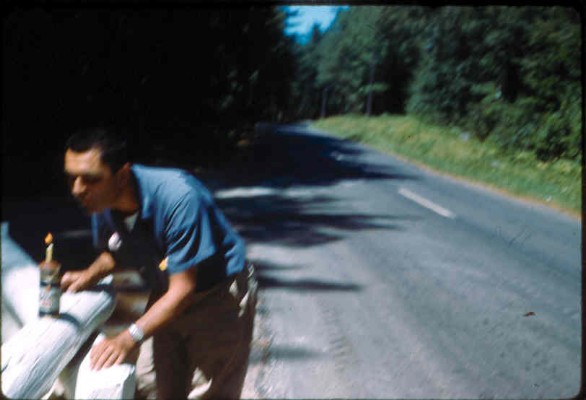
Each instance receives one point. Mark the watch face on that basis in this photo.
(114, 243)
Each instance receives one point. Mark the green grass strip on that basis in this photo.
(452, 151)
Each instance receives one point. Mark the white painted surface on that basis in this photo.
(20, 284)
(81, 382)
(430, 205)
(244, 192)
(35, 356)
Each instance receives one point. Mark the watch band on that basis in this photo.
(136, 333)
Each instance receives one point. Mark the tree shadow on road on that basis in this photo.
(284, 352)
(266, 275)
(267, 282)
(293, 155)
(294, 222)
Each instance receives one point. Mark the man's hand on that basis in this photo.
(75, 281)
(111, 351)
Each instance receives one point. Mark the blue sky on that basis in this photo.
(308, 16)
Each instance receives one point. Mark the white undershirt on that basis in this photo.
(130, 221)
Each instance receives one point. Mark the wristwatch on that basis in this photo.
(136, 333)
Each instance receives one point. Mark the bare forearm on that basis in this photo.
(116, 350)
(162, 312)
(172, 304)
(102, 266)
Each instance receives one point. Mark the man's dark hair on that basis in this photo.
(110, 142)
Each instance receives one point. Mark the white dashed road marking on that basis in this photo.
(244, 192)
(426, 203)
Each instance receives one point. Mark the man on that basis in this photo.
(203, 294)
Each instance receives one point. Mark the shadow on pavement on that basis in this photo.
(265, 275)
(293, 155)
(293, 222)
(292, 353)
(266, 282)
(289, 156)
(284, 353)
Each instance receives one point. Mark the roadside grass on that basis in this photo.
(455, 152)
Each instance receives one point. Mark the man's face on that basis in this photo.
(91, 181)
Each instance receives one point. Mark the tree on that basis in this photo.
(552, 73)
(350, 51)
(306, 92)
(449, 68)
(402, 28)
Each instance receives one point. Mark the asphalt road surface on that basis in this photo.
(381, 280)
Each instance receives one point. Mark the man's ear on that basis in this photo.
(123, 174)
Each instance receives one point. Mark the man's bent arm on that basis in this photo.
(171, 304)
(74, 281)
(116, 350)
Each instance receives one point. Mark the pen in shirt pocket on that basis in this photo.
(163, 264)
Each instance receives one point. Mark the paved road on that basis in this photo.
(380, 280)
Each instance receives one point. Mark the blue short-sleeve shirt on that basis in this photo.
(178, 221)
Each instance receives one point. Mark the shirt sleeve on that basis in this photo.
(99, 233)
(189, 234)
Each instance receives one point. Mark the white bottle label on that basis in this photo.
(49, 298)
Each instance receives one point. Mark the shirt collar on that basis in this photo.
(145, 200)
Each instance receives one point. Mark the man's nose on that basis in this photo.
(78, 187)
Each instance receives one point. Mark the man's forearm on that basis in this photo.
(117, 349)
(163, 311)
(174, 302)
(170, 305)
(102, 266)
